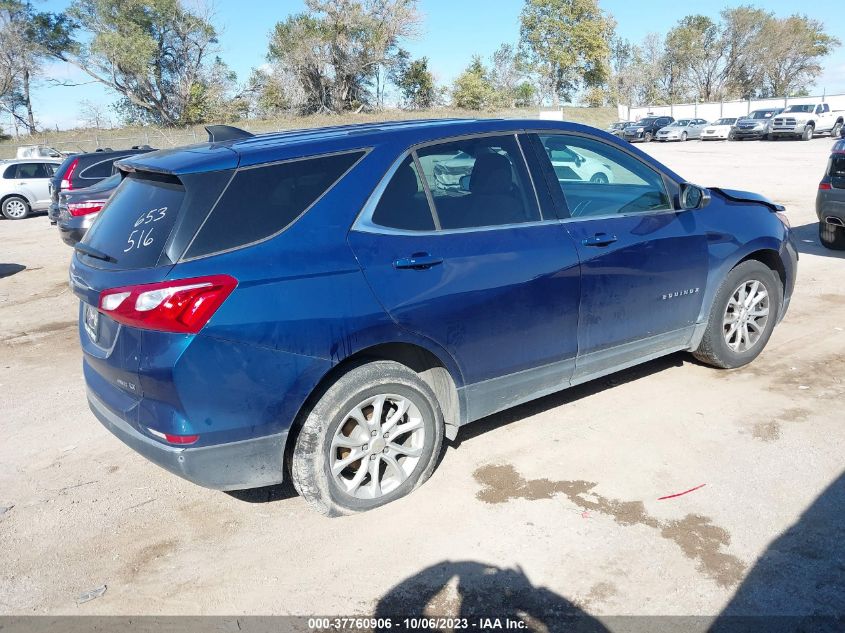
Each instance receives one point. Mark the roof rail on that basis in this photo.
(218, 133)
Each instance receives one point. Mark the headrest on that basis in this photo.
(491, 174)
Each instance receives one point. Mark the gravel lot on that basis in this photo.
(552, 505)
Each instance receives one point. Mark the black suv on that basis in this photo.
(83, 170)
(646, 129)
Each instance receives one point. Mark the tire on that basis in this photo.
(807, 134)
(684, 136)
(648, 137)
(832, 236)
(837, 127)
(599, 178)
(731, 136)
(330, 421)
(714, 348)
(15, 208)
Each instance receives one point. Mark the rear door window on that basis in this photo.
(403, 204)
(479, 182)
(263, 200)
(134, 226)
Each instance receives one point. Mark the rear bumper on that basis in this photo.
(233, 466)
(71, 236)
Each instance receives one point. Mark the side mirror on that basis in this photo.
(463, 183)
(693, 197)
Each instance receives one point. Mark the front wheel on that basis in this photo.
(599, 178)
(837, 127)
(807, 134)
(683, 136)
(742, 317)
(832, 236)
(648, 137)
(371, 438)
(15, 208)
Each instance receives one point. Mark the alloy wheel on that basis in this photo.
(746, 316)
(377, 446)
(15, 209)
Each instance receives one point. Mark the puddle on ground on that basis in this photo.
(695, 535)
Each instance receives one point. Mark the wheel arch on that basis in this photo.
(431, 368)
(15, 194)
(770, 258)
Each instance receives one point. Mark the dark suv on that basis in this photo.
(830, 200)
(324, 305)
(83, 170)
(645, 129)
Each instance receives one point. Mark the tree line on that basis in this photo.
(162, 59)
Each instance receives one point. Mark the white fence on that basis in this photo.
(717, 110)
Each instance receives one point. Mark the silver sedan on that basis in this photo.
(681, 130)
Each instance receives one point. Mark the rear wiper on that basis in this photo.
(93, 252)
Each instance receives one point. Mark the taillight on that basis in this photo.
(824, 186)
(77, 209)
(183, 305)
(181, 440)
(67, 179)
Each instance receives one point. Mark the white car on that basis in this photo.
(720, 130)
(570, 165)
(25, 186)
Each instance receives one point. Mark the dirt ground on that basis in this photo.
(547, 508)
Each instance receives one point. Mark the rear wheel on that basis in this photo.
(371, 438)
(599, 178)
(742, 317)
(15, 208)
(832, 236)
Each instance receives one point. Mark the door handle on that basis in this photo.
(417, 261)
(599, 239)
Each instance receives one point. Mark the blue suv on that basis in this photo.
(328, 305)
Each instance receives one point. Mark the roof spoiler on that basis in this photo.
(217, 133)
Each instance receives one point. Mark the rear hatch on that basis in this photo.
(139, 235)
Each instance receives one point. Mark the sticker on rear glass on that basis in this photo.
(143, 237)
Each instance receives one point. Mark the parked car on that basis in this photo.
(805, 120)
(24, 186)
(645, 129)
(755, 125)
(617, 128)
(83, 170)
(40, 151)
(830, 200)
(720, 130)
(681, 130)
(310, 304)
(80, 207)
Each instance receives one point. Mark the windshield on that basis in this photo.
(761, 114)
(801, 108)
(725, 122)
(646, 121)
(681, 123)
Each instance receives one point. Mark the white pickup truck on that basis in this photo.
(806, 119)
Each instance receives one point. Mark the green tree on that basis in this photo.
(567, 43)
(473, 90)
(697, 48)
(157, 54)
(336, 48)
(416, 83)
(26, 37)
(791, 52)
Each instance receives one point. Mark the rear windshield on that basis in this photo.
(261, 201)
(133, 228)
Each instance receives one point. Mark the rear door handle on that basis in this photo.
(599, 239)
(417, 261)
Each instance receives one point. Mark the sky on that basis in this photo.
(451, 32)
